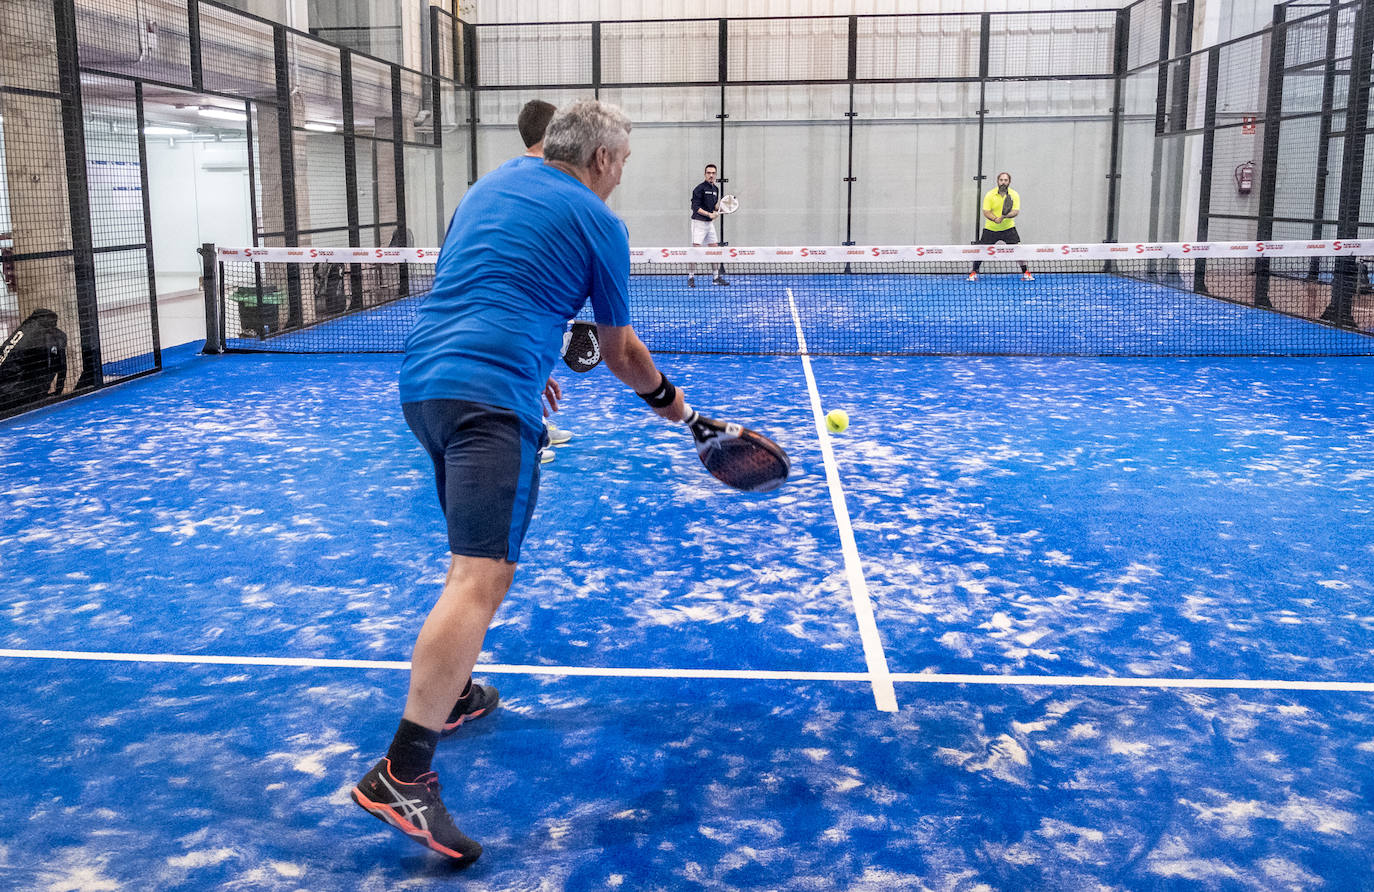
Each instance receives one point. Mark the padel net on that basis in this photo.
(1280, 298)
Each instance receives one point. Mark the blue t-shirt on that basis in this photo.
(525, 249)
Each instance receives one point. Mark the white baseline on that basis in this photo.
(928, 678)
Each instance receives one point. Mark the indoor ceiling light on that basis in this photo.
(159, 130)
(224, 114)
(320, 127)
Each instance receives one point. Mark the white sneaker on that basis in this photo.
(545, 456)
(557, 436)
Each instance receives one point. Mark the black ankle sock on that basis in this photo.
(412, 750)
(467, 690)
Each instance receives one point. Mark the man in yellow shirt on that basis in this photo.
(1000, 208)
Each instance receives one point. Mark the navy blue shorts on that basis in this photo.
(486, 468)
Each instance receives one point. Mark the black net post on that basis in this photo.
(214, 306)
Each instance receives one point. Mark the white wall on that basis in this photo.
(191, 205)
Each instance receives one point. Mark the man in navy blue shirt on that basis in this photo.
(527, 246)
(532, 122)
(704, 199)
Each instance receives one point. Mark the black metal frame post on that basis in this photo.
(78, 196)
(1209, 138)
(398, 167)
(723, 75)
(357, 300)
(984, 45)
(596, 60)
(1161, 117)
(148, 228)
(1269, 158)
(1119, 63)
(248, 137)
(1324, 136)
(470, 80)
(1344, 283)
(850, 179)
(437, 115)
(295, 313)
(193, 34)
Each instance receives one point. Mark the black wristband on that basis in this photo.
(661, 396)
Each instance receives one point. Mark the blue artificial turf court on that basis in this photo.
(1032, 622)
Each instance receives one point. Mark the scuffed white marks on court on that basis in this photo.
(1117, 517)
(635, 549)
(273, 506)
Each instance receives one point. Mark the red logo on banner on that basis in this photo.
(1247, 125)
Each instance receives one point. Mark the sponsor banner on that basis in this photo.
(864, 253)
(1024, 252)
(330, 255)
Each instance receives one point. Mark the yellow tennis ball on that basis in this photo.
(836, 421)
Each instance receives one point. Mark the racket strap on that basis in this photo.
(661, 396)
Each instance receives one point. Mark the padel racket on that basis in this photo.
(581, 349)
(1007, 204)
(737, 456)
(728, 204)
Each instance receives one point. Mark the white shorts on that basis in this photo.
(703, 232)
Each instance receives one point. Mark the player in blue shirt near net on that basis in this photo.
(527, 246)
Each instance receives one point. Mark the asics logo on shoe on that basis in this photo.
(410, 809)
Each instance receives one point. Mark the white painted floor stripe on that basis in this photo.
(927, 678)
(883, 693)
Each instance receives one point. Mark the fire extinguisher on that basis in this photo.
(1245, 177)
(7, 269)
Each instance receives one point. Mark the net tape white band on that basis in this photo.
(864, 254)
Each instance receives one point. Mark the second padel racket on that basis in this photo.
(581, 349)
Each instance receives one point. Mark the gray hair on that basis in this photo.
(576, 132)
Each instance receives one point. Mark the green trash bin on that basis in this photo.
(258, 318)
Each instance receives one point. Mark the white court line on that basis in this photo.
(883, 692)
(928, 678)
